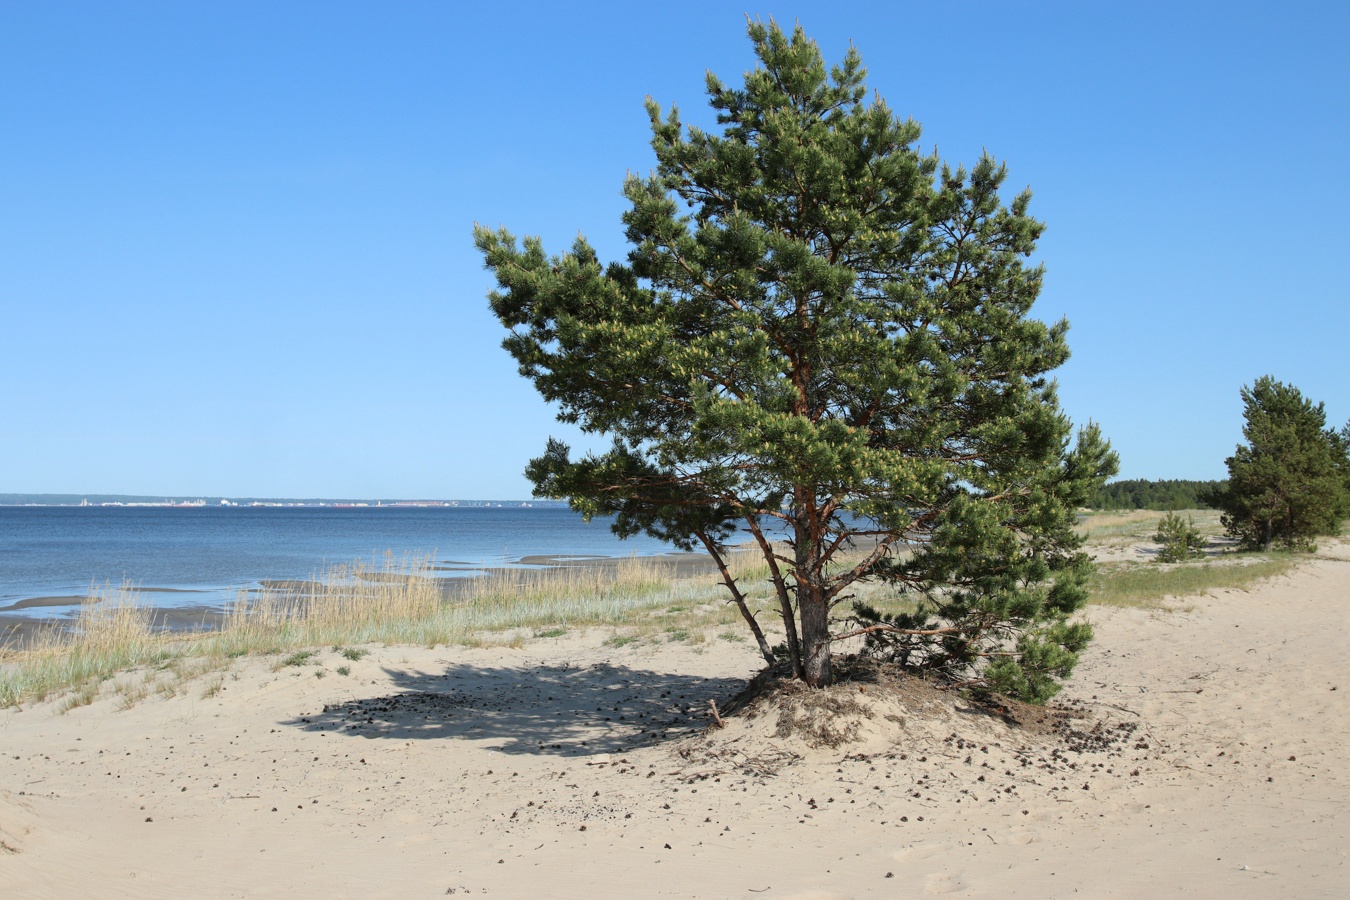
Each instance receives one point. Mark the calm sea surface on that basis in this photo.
(189, 557)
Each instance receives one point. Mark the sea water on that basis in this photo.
(205, 555)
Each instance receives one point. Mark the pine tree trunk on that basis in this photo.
(815, 613)
(812, 606)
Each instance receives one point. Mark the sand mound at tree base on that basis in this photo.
(878, 709)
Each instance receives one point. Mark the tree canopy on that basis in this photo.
(823, 332)
(1291, 481)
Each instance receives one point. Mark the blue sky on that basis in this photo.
(235, 252)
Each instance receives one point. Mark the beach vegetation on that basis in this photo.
(1290, 481)
(132, 690)
(1180, 540)
(822, 334)
(1153, 587)
(355, 607)
(113, 633)
(84, 695)
(115, 649)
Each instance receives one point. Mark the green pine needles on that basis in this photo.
(1180, 540)
(1291, 481)
(821, 331)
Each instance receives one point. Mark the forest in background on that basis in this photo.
(1169, 494)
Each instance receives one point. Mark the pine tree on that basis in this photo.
(1179, 537)
(1341, 455)
(1288, 484)
(822, 331)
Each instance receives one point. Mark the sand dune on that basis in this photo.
(574, 769)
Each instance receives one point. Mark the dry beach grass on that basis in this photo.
(391, 601)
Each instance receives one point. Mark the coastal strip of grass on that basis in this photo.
(116, 645)
(114, 633)
(1140, 524)
(390, 602)
(1151, 585)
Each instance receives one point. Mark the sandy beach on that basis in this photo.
(1207, 759)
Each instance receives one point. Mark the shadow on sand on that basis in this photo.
(559, 710)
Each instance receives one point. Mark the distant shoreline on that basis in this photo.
(211, 501)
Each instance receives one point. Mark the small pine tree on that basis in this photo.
(1179, 538)
(1289, 483)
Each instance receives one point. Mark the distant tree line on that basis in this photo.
(1168, 494)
